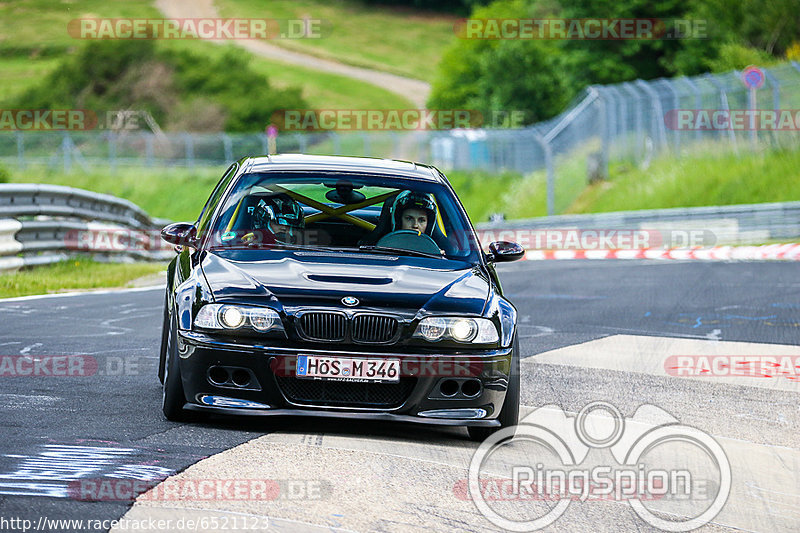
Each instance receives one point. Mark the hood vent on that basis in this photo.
(349, 279)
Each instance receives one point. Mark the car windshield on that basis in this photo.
(371, 214)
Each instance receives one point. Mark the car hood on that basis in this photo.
(306, 279)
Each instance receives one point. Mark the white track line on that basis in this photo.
(80, 293)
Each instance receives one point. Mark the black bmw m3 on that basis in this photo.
(338, 287)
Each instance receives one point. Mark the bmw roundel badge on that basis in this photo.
(350, 301)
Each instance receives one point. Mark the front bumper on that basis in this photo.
(267, 385)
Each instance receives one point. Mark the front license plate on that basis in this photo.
(342, 369)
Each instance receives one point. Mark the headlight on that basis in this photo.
(238, 317)
(465, 330)
(231, 316)
(432, 329)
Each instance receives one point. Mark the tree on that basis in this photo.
(500, 76)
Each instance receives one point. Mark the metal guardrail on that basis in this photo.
(731, 224)
(41, 224)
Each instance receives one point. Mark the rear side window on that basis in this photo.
(208, 210)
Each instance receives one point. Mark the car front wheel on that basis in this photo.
(509, 414)
(173, 398)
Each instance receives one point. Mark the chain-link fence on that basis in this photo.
(633, 121)
(91, 149)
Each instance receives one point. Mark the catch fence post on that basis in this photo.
(677, 104)
(20, 150)
(723, 98)
(302, 145)
(698, 101)
(227, 147)
(148, 149)
(605, 137)
(775, 85)
(367, 150)
(188, 141)
(66, 154)
(265, 144)
(637, 153)
(112, 150)
(658, 110)
(551, 177)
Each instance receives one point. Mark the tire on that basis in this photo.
(162, 355)
(509, 414)
(173, 398)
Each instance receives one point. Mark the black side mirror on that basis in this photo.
(180, 234)
(504, 251)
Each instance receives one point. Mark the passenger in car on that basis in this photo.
(413, 211)
(266, 219)
(410, 210)
(414, 219)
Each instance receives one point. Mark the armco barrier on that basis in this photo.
(721, 225)
(42, 224)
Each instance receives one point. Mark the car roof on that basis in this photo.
(335, 163)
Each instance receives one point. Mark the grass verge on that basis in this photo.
(320, 89)
(483, 193)
(73, 274)
(174, 193)
(156, 189)
(34, 38)
(696, 180)
(402, 41)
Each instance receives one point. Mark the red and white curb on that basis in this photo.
(787, 252)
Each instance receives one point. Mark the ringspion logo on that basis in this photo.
(675, 477)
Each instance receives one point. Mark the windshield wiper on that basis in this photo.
(399, 251)
(257, 245)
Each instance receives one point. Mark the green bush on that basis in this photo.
(181, 90)
(492, 76)
(460, 7)
(540, 76)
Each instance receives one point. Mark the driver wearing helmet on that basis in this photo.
(414, 211)
(281, 216)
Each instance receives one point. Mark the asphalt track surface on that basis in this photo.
(56, 430)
